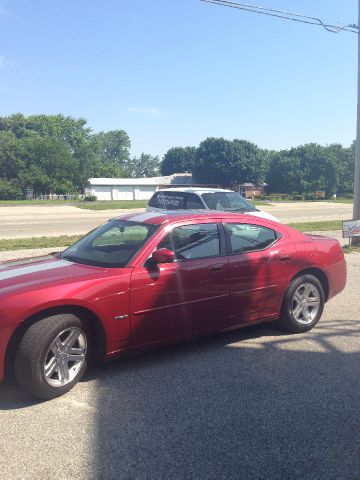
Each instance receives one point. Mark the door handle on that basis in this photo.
(284, 258)
(216, 267)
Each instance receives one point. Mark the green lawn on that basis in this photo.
(104, 205)
(37, 242)
(318, 226)
(351, 249)
(10, 203)
(112, 205)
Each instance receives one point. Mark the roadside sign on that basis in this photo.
(351, 228)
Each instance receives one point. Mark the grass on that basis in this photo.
(101, 205)
(261, 203)
(37, 242)
(112, 205)
(351, 248)
(15, 203)
(318, 226)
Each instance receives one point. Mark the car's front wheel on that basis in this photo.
(52, 356)
(303, 304)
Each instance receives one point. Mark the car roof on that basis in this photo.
(159, 218)
(193, 190)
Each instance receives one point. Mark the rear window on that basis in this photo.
(176, 201)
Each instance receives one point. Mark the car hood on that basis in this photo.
(41, 271)
(262, 214)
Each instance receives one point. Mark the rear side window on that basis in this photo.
(244, 237)
(168, 200)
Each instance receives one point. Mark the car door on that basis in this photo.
(187, 296)
(261, 263)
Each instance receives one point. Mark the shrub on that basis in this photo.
(90, 198)
(10, 191)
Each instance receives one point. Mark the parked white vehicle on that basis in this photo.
(193, 198)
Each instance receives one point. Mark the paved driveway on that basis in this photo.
(253, 404)
(30, 221)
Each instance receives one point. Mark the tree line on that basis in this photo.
(58, 154)
(302, 170)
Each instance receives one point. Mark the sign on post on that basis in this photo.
(351, 228)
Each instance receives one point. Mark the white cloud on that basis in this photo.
(147, 111)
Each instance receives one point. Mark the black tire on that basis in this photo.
(298, 317)
(38, 351)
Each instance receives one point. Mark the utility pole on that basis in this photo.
(356, 211)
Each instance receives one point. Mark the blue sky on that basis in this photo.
(173, 72)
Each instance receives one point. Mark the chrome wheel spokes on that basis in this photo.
(65, 357)
(306, 303)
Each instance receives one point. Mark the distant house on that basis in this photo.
(133, 188)
(249, 190)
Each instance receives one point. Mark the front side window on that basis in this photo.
(113, 244)
(244, 237)
(227, 201)
(193, 241)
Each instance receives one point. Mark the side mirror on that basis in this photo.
(163, 255)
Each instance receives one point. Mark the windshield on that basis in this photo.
(113, 244)
(227, 201)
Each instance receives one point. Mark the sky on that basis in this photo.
(174, 72)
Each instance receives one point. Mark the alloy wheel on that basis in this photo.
(65, 357)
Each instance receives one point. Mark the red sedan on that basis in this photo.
(152, 278)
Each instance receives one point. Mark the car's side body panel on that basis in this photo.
(178, 298)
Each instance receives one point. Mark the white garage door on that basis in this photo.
(144, 193)
(123, 193)
(103, 193)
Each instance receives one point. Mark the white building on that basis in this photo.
(133, 188)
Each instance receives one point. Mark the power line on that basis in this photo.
(295, 17)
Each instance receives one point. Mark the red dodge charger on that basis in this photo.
(152, 278)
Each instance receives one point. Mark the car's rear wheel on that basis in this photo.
(303, 304)
(52, 356)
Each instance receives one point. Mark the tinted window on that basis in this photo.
(227, 201)
(246, 237)
(111, 245)
(168, 200)
(193, 241)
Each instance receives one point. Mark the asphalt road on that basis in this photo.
(26, 221)
(257, 403)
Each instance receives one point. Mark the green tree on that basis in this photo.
(144, 166)
(226, 162)
(10, 156)
(178, 160)
(112, 153)
(49, 166)
(310, 168)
